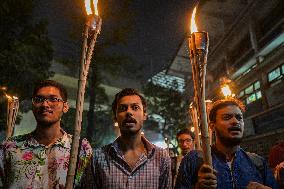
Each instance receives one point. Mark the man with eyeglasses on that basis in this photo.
(185, 139)
(40, 159)
(233, 168)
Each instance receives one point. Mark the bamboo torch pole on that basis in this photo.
(198, 45)
(195, 122)
(92, 29)
(12, 111)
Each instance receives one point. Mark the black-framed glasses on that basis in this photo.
(51, 100)
(185, 140)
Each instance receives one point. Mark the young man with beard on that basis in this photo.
(232, 166)
(40, 159)
(131, 161)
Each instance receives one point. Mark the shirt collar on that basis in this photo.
(150, 148)
(221, 154)
(64, 141)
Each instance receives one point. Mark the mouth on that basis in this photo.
(45, 112)
(235, 129)
(129, 122)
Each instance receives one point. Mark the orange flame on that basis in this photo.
(91, 7)
(193, 27)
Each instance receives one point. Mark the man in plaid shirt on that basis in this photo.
(131, 161)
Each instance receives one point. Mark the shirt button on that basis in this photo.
(130, 177)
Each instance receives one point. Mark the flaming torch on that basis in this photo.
(92, 29)
(226, 91)
(198, 46)
(12, 111)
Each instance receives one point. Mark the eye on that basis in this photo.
(135, 107)
(227, 116)
(121, 108)
(239, 117)
(38, 99)
(53, 99)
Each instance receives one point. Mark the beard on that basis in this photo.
(230, 142)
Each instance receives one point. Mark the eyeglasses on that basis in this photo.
(50, 100)
(185, 140)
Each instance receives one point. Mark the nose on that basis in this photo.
(129, 111)
(235, 120)
(45, 102)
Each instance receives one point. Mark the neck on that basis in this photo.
(228, 151)
(47, 135)
(130, 141)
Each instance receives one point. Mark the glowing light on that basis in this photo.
(91, 7)
(115, 124)
(9, 97)
(193, 27)
(227, 91)
(192, 129)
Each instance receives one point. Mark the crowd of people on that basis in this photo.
(40, 159)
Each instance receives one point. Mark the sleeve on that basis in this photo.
(91, 178)
(187, 173)
(269, 179)
(2, 167)
(166, 173)
(84, 162)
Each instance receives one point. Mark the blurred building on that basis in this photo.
(246, 46)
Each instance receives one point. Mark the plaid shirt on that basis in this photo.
(110, 170)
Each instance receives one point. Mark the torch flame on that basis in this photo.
(8, 97)
(193, 27)
(226, 91)
(91, 7)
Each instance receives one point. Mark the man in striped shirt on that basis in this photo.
(131, 161)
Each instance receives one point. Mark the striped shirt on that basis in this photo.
(110, 170)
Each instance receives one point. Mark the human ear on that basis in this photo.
(65, 107)
(211, 126)
(145, 116)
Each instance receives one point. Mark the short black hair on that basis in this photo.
(223, 103)
(127, 92)
(51, 83)
(186, 131)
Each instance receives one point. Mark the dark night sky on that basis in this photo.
(159, 27)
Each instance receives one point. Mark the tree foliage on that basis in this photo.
(168, 104)
(25, 50)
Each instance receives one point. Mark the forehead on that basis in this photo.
(230, 109)
(184, 136)
(48, 91)
(132, 99)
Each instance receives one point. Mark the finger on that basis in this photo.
(208, 176)
(208, 182)
(206, 168)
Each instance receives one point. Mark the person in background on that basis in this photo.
(276, 163)
(232, 166)
(131, 161)
(185, 140)
(40, 159)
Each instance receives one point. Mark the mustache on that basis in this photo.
(235, 128)
(41, 110)
(129, 120)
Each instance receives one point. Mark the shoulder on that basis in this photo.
(255, 158)
(160, 151)
(101, 153)
(15, 141)
(193, 155)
